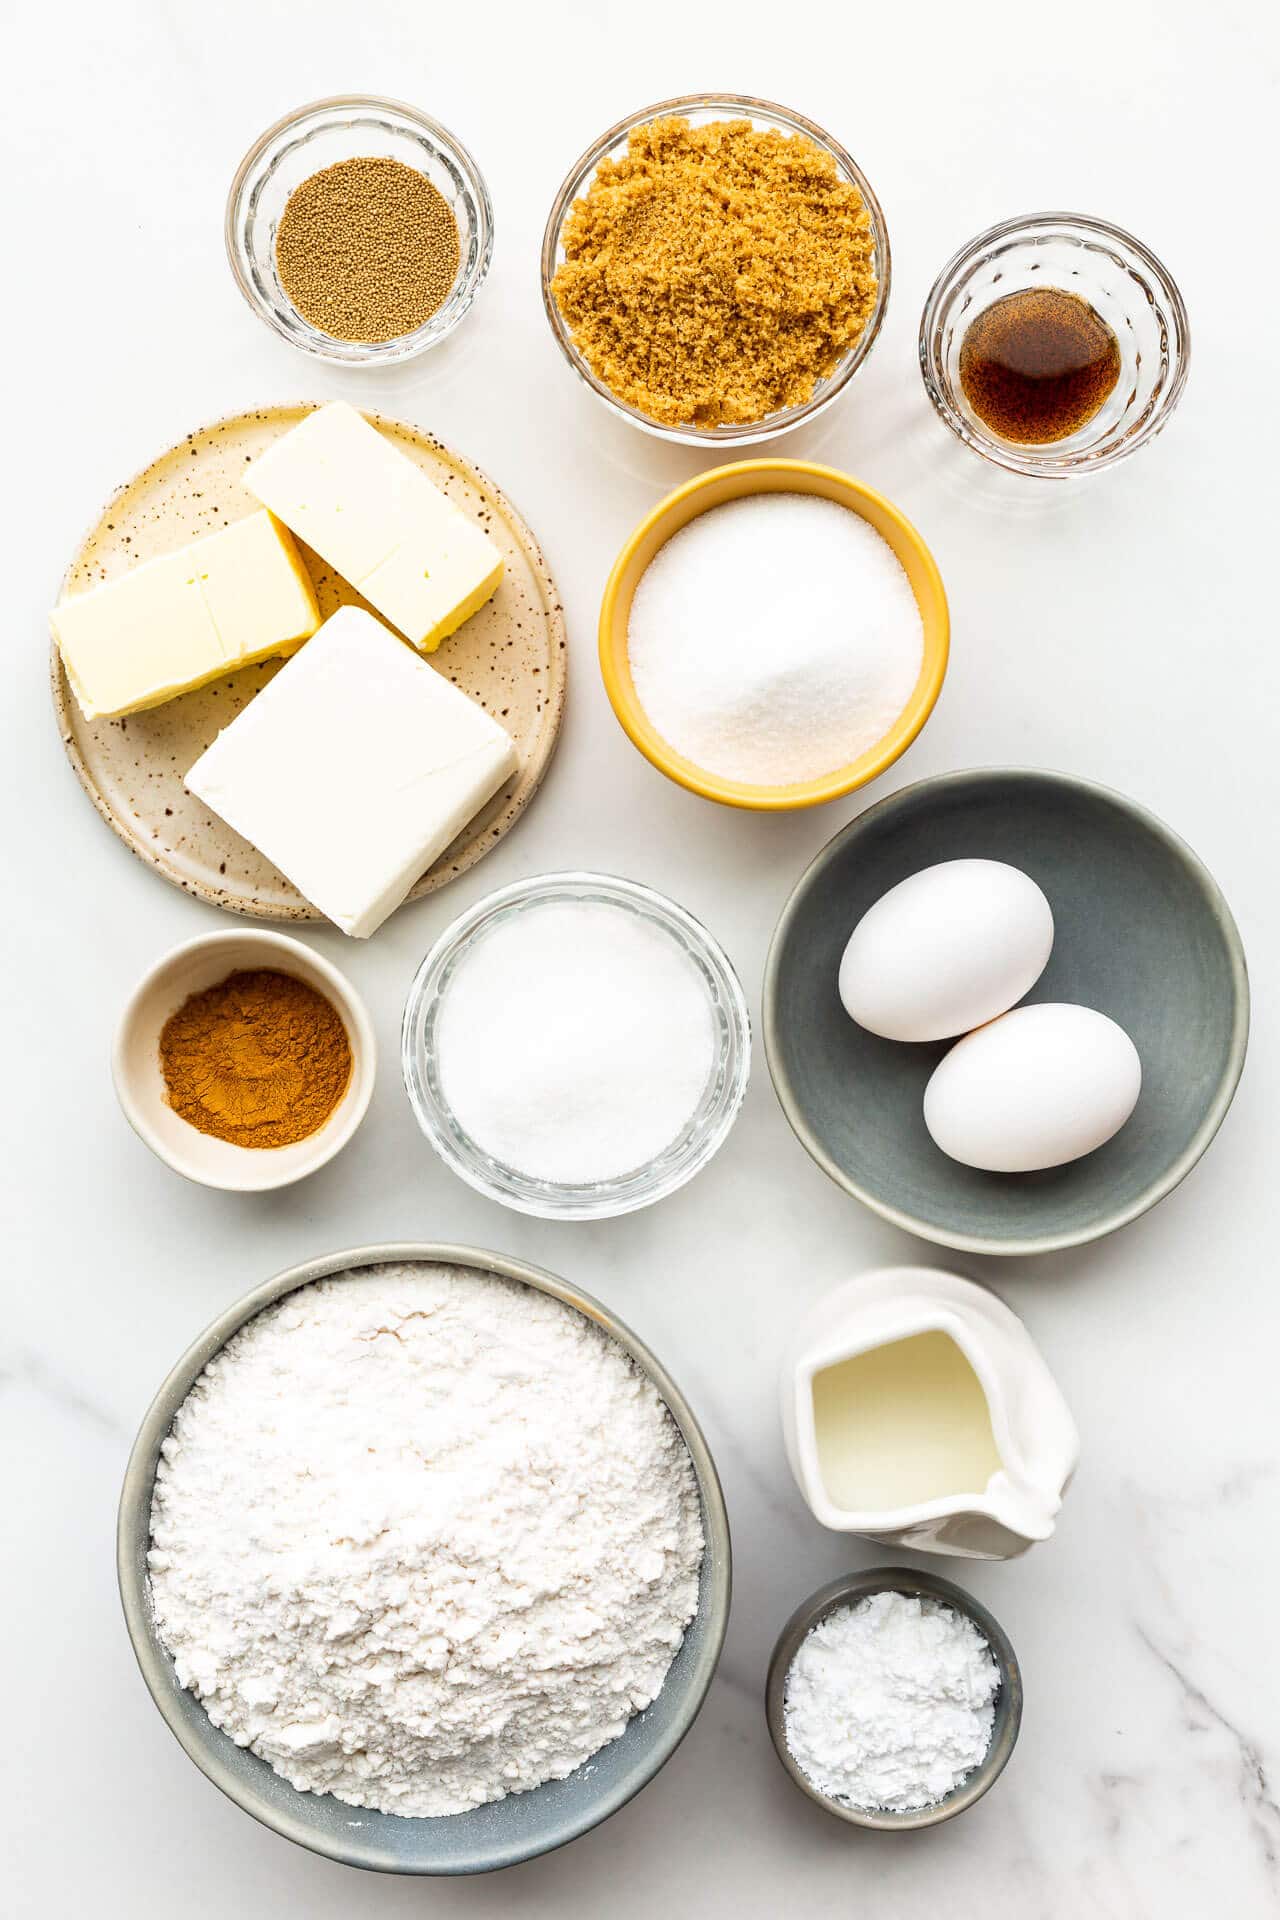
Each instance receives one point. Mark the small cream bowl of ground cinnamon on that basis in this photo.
(359, 229)
(244, 1061)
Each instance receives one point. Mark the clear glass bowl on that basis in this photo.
(708, 1126)
(701, 108)
(320, 135)
(1124, 283)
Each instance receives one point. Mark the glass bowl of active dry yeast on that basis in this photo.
(637, 256)
(1054, 344)
(359, 229)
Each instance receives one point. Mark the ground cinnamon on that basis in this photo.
(260, 1060)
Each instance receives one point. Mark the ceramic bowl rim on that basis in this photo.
(133, 1530)
(911, 1581)
(1158, 1188)
(364, 1054)
(841, 781)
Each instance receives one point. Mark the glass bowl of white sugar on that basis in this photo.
(576, 1046)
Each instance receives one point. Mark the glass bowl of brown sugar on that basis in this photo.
(636, 259)
(1054, 344)
(359, 229)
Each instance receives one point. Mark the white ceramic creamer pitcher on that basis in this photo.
(1034, 1435)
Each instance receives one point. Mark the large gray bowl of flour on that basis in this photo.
(504, 1832)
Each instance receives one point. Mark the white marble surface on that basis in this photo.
(1124, 629)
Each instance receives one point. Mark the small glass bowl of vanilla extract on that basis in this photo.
(1054, 344)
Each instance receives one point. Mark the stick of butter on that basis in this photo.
(177, 622)
(353, 769)
(379, 522)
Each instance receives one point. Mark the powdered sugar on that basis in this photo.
(423, 1537)
(890, 1702)
(774, 639)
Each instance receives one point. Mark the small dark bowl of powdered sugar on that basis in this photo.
(893, 1698)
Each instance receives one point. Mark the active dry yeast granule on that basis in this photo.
(367, 249)
(715, 274)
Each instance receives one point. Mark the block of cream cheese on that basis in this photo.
(353, 769)
(379, 522)
(176, 622)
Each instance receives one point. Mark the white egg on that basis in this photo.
(1037, 1087)
(946, 950)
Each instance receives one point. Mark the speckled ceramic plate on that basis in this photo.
(510, 657)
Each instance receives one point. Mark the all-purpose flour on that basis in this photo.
(891, 1702)
(422, 1538)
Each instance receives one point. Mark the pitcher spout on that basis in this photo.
(1027, 1511)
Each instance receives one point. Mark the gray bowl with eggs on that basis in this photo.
(504, 1832)
(1142, 934)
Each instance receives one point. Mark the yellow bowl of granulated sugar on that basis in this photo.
(774, 652)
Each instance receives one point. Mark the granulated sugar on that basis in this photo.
(575, 1042)
(774, 639)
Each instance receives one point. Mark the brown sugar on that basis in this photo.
(714, 274)
(367, 249)
(1036, 366)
